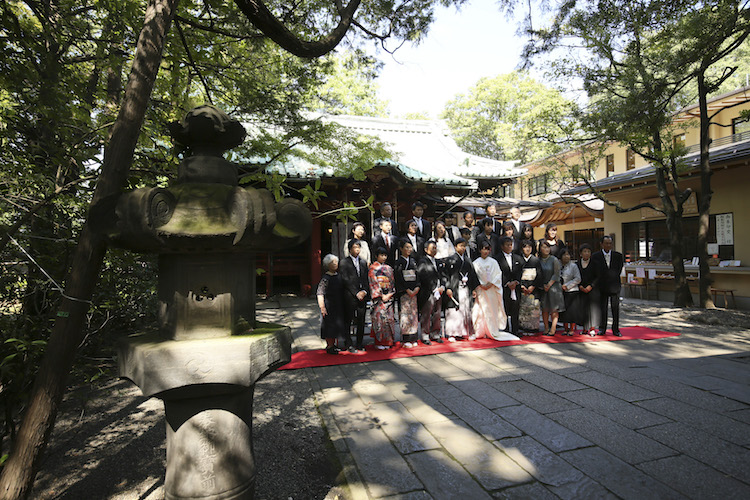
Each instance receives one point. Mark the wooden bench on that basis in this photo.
(724, 292)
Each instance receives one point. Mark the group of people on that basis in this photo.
(489, 279)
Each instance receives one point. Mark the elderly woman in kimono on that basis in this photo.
(488, 313)
(382, 292)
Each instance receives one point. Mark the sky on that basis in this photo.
(460, 48)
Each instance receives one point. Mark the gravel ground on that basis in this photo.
(112, 432)
(109, 442)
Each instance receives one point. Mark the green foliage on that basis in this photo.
(63, 68)
(349, 86)
(510, 117)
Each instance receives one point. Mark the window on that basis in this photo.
(538, 185)
(592, 169)
(649, 240)
(678, 140)
(610, 165)
(630, 159)
(506, 191)
(574, 240)
(740, 125)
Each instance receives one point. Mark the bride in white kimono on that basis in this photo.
(488, 314)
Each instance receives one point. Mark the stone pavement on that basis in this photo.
(666, 418)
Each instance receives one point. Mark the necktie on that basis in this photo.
(356, 265)
(606, 258)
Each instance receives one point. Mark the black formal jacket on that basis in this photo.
(454, 268)
(453, 229)
(418, 252)
(353, 283)
(492, 238)
(517, 232)
(509, 274)
(403, 284)
(426, 231)
(609, 277)
(429, 279)
(379, 242)
(376, 228)
(590, 275)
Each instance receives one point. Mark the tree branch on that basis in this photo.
(266, 22)
(192, 61)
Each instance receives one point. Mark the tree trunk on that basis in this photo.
(673, 214)
(20, 469)
(682, 295)
(704, 200)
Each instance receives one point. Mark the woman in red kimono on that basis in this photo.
(382, 291)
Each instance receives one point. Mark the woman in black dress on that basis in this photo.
(589, 294)
(331, 302)
(527, 234)
(555, 243)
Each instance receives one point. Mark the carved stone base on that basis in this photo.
(210, 447)
(207, 387)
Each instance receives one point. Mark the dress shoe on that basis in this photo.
(617, 333)
(352, 349)
(439, 341)
(426, 342)
(332, 350)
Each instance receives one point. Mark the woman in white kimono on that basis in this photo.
(488, 314)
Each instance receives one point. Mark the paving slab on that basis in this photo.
(483, 420)
(556, 474)
(548, 380)
(613, 386)
(443, 368)
(722, 455)
(444, 478)
(492, 468)
(716, 424)
(545, 430)
(695, 479)
(531, 491)
(534, 397)
(402, 428)
(381, 466)
(630, 415)
(690, 395)
(484, 394)
(624, 443)
(477, 367)
(421, 403)
(620, 478)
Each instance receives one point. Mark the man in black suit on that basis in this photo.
(511, 265)
(515, 219)
(353, 271)
(387, 241)
(489, 236)
(386, 213)
(451, 228)
(424, 229)
(430, 294)
(471, 253)
(497, 226)
(609, 264)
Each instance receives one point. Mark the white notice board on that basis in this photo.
(724, 230)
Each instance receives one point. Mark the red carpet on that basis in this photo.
(319, 357)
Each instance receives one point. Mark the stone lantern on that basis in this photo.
(209, 351)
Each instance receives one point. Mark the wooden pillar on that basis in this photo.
(315, 256)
